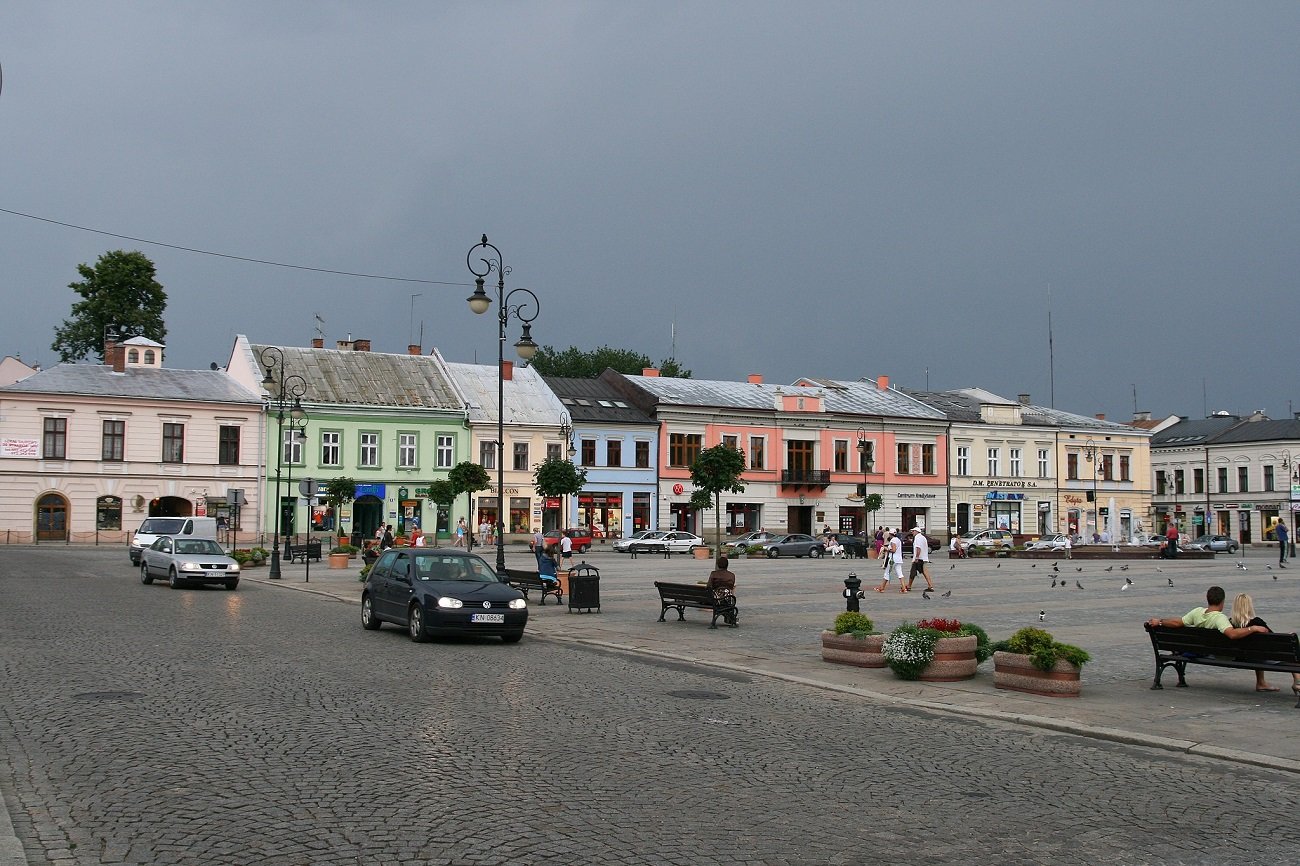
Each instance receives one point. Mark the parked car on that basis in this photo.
(1143, 540)
(441, 591)
(855, 546)
(579, 536)
(737, 546)
(185, 561)
(154, 527)
(1048, 542)
(623, 545)
(987, 538)
(1217, 543)
(796, 545)
(676, 541)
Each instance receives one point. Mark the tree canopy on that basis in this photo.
(575, 363)
(119, 294)
(556, 477)
(716, 471)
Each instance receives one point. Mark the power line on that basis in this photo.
(228, 255)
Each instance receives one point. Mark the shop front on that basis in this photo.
(601, 511)
(742, 517)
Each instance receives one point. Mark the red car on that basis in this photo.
(580, 538)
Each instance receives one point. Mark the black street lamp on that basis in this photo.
(864, 461)
(490, 259)
(1292, 481)
(287, 393)
(566, 432)
(1093, 456)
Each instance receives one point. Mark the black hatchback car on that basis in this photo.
(433, 591)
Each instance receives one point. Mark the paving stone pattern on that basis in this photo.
(143, 725)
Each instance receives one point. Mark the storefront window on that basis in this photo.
(487, 511)
(603, 512)
(640, 511)
(1004, 515)
(108, 512)
(519, 522)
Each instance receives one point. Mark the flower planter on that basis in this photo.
(845, 649)
(339, 560)
(1016, 672)
(702, 553)
(954, 660)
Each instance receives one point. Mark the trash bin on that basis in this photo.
(584, 588)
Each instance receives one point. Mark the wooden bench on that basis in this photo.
(1179, 647)
(526, 581)
(684, 595)
(302, 551)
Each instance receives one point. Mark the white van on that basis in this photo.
(191, 527)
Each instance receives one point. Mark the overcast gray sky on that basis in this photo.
(826, 189)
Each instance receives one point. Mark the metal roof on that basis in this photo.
(847, 398)
(595, 400)
(1200, 431)
(351, 378)
(101, 380)
(528, 398)
(1287, 429)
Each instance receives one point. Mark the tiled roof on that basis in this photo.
(963, 406)
(1287, 429)
(1200, 431)
(99, 380)
(849, 398)
(595, 400)
(528, 399)
(351, 378)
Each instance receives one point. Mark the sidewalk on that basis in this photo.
(786, 603)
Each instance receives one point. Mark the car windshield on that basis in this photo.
(199, 546)
(437, 566)
(162, 525)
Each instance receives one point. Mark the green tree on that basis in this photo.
(556, 477)
(119, 294)
(716, 471)
(338, 491)
(574, 363)
(469, 478)
(871, 505)
(441, 492)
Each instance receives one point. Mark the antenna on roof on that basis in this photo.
(320, 326)
(1051, 356)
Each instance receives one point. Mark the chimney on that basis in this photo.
(756, 378)
(507, 370)
(1101, 416)
(1023, 398)
(114, 355)
(414, 349)
(361, 346)
(882, 382)
(649, 372)
(344, 345)
(318, 342)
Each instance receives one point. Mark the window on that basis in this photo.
(148, 356)
(902, 463)
(1015, 462)
(1124, 468)
(330, 447)
(1223, 479)
(1044, 467)
(173, 443)
(1198, 480)
(114, 446)
(108, 512)
(756, 452)
(841, 455)
(292, 445)
(133, 356)
(553, 451)
(963, 460)
(1108, 468)
(1072, 466)
(1268, 478)
(927, 460)
(1160, 482)
(1179, 480)
(445, 451)
(588, 452)
(683, 448)
(867, 456)
(731, 442)
(487, 455)
(614, 452)
(228, 445)
(369, 443)
(1243, 479)
(642, 454)
(56, 439)
(407, 450)
(994, 459)
(521, 455)
(799, 455)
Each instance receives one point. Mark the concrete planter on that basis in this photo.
(1016, 672)
(339, 560)
(954, 660)
(702, 553)
(845, 649)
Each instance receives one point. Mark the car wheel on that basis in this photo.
(773, 553)
(232, 585)
(815, 552)
(173, 581)
(415, 624)
(513, 637)
(368, 619)
(584, 548)
(145, 577)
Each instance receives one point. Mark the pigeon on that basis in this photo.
(999, 565)
(1269, 567)
(948, 594)
(951, 567)
(1159, 569)
(925, 594)
(1053, 583)
(1275, 577)
(1055, 567)
(1241, 565)
(1124, 587)
(1171, 581)
(1123, 568)
(1076, 583)
(1128, 581)
(1079, 568)
(1110, 568)
(1035, 565)
(1042, 614)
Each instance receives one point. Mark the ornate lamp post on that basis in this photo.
(864, 461)
(1093, 456)
(1293, 484)
(566, 431)
(489, 260)
(286, 393)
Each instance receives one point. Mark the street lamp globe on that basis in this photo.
(479, 301)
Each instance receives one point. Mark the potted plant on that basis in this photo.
(702, 552)
(258, 555)
(340, 554)
(853, 640)
(936, 650)
(755, 551)
(1032, 661)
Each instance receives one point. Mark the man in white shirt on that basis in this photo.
(920, 559)
(566, 550)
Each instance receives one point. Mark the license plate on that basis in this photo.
(487, 617)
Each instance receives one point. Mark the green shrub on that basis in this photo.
(343, 548)
(1043, 650)
(910, 647)
(852, 622)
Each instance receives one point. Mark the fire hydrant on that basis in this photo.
(852, 591)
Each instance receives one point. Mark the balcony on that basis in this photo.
(819, 478)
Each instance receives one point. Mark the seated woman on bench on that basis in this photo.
(546, 565)
(721, 580)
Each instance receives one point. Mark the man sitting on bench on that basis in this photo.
(721, 580)
(1210, 616)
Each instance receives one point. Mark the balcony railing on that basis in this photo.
(805, 478)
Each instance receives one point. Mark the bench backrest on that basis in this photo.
(519, 575)
(684, 591)
(1275, 646)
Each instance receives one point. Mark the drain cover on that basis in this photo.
(108, 696)
(696, 695)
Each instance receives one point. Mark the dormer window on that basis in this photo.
(148, 356)
(133, 356)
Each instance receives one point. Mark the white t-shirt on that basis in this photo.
(896, 549)
(920, 548)
(566, 545)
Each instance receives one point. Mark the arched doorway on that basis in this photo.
(170, 506)
(367, 514)
(52, 518)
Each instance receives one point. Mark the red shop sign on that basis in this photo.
(678, 490)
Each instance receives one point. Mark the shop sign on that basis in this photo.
(998, 494)
(376, 490)
(551, 502)
(678, 490)
(1008, 483)
(917, 495)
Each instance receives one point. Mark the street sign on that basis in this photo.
(308, 487)
(235, 496)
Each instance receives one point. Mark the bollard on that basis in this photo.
(852, 591)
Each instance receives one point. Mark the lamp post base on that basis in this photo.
(275, 566)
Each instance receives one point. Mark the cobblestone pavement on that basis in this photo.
(145, 725)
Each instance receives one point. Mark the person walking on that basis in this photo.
(566, 551)
(1171, 535)
(483, 530)
(460, 533)
(1282, 537)
(920, 559)
(893, 562)
(539, 546)
(387, 541)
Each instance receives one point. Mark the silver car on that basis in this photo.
(674, 542)
(184, 561)
(737, 546)
(623, 545)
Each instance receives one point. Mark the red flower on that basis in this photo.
(940, 624)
